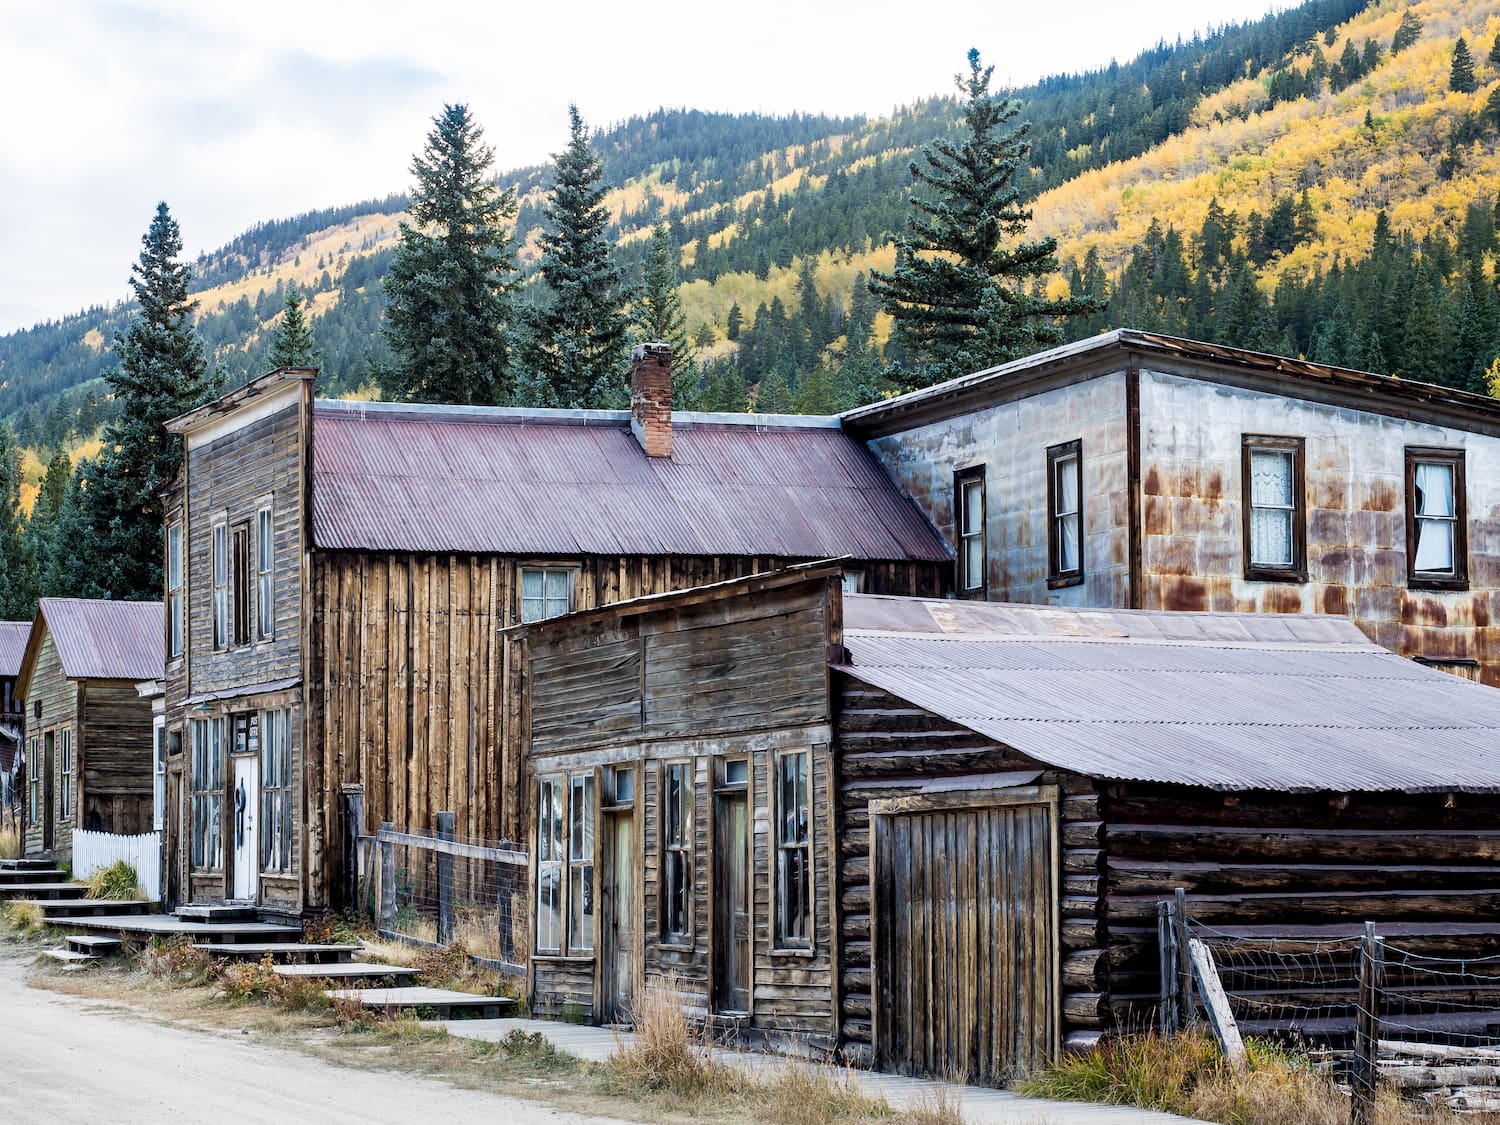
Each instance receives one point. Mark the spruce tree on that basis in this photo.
(1408, 32)
(576, 342)
(1495, 51)
(162, 372)
(292, 341)
(1461, 74)
(451, 280)
(961, 299)
(658, 314)
(41, 525)
(18, 588)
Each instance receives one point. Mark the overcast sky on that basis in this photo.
(238, 113)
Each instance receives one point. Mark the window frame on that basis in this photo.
(158, 771)
(277, 856)
(176, 633)
(1296, 447)
(265, 573)
(1458, 579)
(521, 599)
(679, 846)
(551, 856)
(1057, 456)
(962, 479)
(239, 569)
(781, 940)
(65, 802)
(219, 581)
(580, 929)
(34, 780)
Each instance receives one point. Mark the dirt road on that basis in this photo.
(66, 1060)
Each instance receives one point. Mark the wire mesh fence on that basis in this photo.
(440, 889)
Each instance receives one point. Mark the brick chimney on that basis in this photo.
(651, 398)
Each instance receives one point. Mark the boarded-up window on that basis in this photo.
(221, 585)
(1437, 547)
(207, 777)
(174, 590)
(65, 774)
(793, 852)
(276, 790)
(242, 584)
(549, 866)
(581, 864)
(1065, 514)
(677, 853)
(1275, 516)
(265, 576)
(545, 592)
(968, 506)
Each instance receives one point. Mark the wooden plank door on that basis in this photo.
(965, 934)
(49, 797)
(618, 954)
(731, 903)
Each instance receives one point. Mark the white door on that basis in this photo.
(246, 835)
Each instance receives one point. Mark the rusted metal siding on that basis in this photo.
(1192, 550)
(1011, 440)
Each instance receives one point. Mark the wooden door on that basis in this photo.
(171, 866)
(731, 903)
(49, 797)
(246, 830)
(618, 954)
(965, 928)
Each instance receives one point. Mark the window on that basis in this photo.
(793, 852)
(65, 774)
(208, 792)
(545, 592)
(968, 509)
(853, 582)
(619, 786)
(1065, 514)
(549, 866)
(174, 591)
(581, 864)
(158, 771)
(33, 784)
(1437, 540)
(221, 585)
(242, 584)
(276, 790)
(1275, 517)
(265, 576)
(677, 853)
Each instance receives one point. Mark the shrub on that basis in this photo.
(176, 960)
(118, 881)
(258, 980)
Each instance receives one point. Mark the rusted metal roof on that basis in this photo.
(12, 646)
(403, 478)
(99, 640)
(1228, 701)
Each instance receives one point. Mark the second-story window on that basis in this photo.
(1065, 514)
(221, 585)
(968, 519)
(545, 592)
(174, 591)
(1437, 540)
(1275, 514)
(242, 584)
(265, 576)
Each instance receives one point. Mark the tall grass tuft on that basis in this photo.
(118, 882)
(667, 1054)
(23, 916)
(10, 840)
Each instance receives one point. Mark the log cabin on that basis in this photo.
(340, 576)
(88, 734)
(932, 835)
(12, 716)
(1140, 471)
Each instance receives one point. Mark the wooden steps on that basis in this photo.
(24, 876)
(43, 892)
(142, 927)
(440, 1002)
(94, 945)
(34, 863)
(282, 952)
(65, 910)
(70, 958)
(352, 972)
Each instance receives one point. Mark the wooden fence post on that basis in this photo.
(1187, 1011)
(1362, 1080)
(1166, 1010)
(446, 822)
(354, 829)
(1216, 1004)
(387, 878)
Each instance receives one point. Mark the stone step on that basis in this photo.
(440, 1002)
(283, 952)
(85, 907)
(218, 912)
(44, 891)
(350, 971)
(95, 944)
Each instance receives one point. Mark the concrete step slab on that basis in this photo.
(441, 1002)
(351, 971)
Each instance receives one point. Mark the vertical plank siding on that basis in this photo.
(113, 758)
(58, 698)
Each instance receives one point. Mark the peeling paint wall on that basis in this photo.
(1011, 441)
(1192, 552)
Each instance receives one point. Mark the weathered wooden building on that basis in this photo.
(12, 719)
(932, 834)
(1140, 471)
(88, 734)
(341, 575)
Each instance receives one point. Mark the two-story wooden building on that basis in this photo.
(340, 576)
(88, 732)
(1141, 471)
(12, 719)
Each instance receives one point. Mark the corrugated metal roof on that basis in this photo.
(578, 483)
(1229, 701)
(100, 640)
(13, 646)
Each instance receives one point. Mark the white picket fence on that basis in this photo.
(95, 850)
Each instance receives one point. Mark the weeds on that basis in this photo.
(241, 981)
(667, 1055)
(24, 916)
(175, 960)
(10, 840)
(798, 1094)
(117, 882)
(348, 928)
(452, 967)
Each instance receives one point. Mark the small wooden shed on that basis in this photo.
(88, 732)
(931, 835)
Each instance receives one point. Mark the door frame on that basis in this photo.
(49, 788)
(605, 864)
(972, 800)
(252, 810)
(743, 791)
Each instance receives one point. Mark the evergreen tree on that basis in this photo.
(41, 526)
(454, 270)
(71, 571)
(658, 314)
(1495, 51)
(959, 298)
(576, 354)
(19, 587)
(1409, 31)
(292, 340)
(1461, 74)
(163, 372)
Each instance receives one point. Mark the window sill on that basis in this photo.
(1063, 581)
(676, 947)
(804, 954)
(1417, 582)
(1272, 574)
(564, 958)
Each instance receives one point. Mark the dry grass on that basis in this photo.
(23, 917)
(242, 981)
(799, 1094)
(10, 840)
(667, 1054)
(117, 882)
